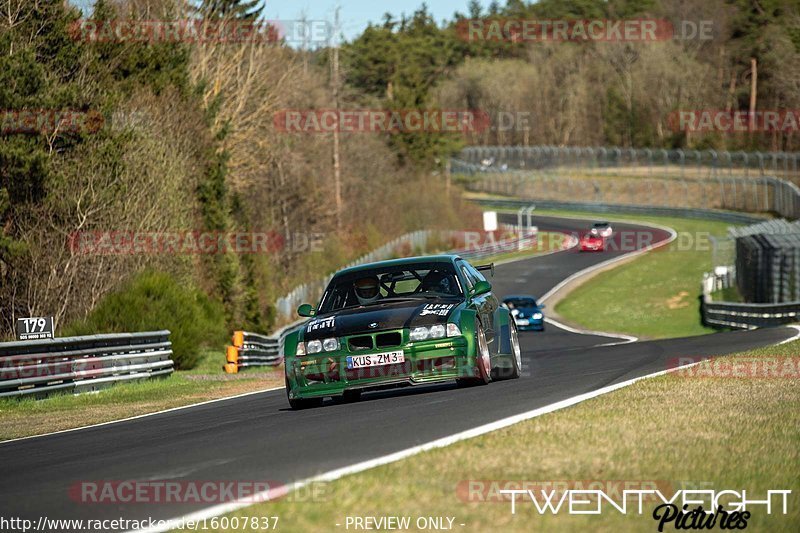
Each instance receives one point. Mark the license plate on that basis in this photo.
(523, 322)
(376, 359)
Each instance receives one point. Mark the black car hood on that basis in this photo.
(380, 317)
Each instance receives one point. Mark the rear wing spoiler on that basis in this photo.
(489, 267)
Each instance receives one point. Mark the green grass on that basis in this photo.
(655, 295)
(25, 417)
(669, 432)
(731, 294)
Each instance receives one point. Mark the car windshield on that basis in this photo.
(601, 225)
(392, 283)
(514, 303)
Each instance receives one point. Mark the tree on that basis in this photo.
(238, 9)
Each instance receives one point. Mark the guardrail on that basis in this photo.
(633, 161)
(253, 349)
(721, 314)
(704, 214)
(82, 364)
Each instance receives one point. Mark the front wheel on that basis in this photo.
(302, 403)
(483, 360)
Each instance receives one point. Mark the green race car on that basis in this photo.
(400, 322)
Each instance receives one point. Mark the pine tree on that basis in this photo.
(238, 9)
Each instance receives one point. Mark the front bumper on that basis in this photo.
(530, 324)
(326, 374)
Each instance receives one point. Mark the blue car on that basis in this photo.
(527, 314)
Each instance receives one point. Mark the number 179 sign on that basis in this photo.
(29, 329)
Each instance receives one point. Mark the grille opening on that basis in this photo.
(360, 343)
(384, 340)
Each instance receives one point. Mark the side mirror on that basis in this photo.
(482, 287)
(306, 310)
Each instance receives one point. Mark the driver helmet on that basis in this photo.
(437, 281)
(367, 290)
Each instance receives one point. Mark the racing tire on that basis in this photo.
(503, 373)
(298, 404)
(483, 360)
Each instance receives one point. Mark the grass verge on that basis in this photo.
(26, 417)
(646, 434)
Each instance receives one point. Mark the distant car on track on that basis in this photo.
(591, 242)
(528, 315)
(400, 322)
(602, 229)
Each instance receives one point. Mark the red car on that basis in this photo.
(591, 242)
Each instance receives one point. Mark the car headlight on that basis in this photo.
(331, 344)
(453, 330)
(314, 346)
(537, 316)
(301, 348)
(419, 334)
(437, 331)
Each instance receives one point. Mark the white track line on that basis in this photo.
(797, 335)
(145, 415)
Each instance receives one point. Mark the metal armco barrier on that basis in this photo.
(751, 182)
(719, 314)
(82, 364)
(748, 316)
(253, 349)
(632, 161)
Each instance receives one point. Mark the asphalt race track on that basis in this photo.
(258, 438)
